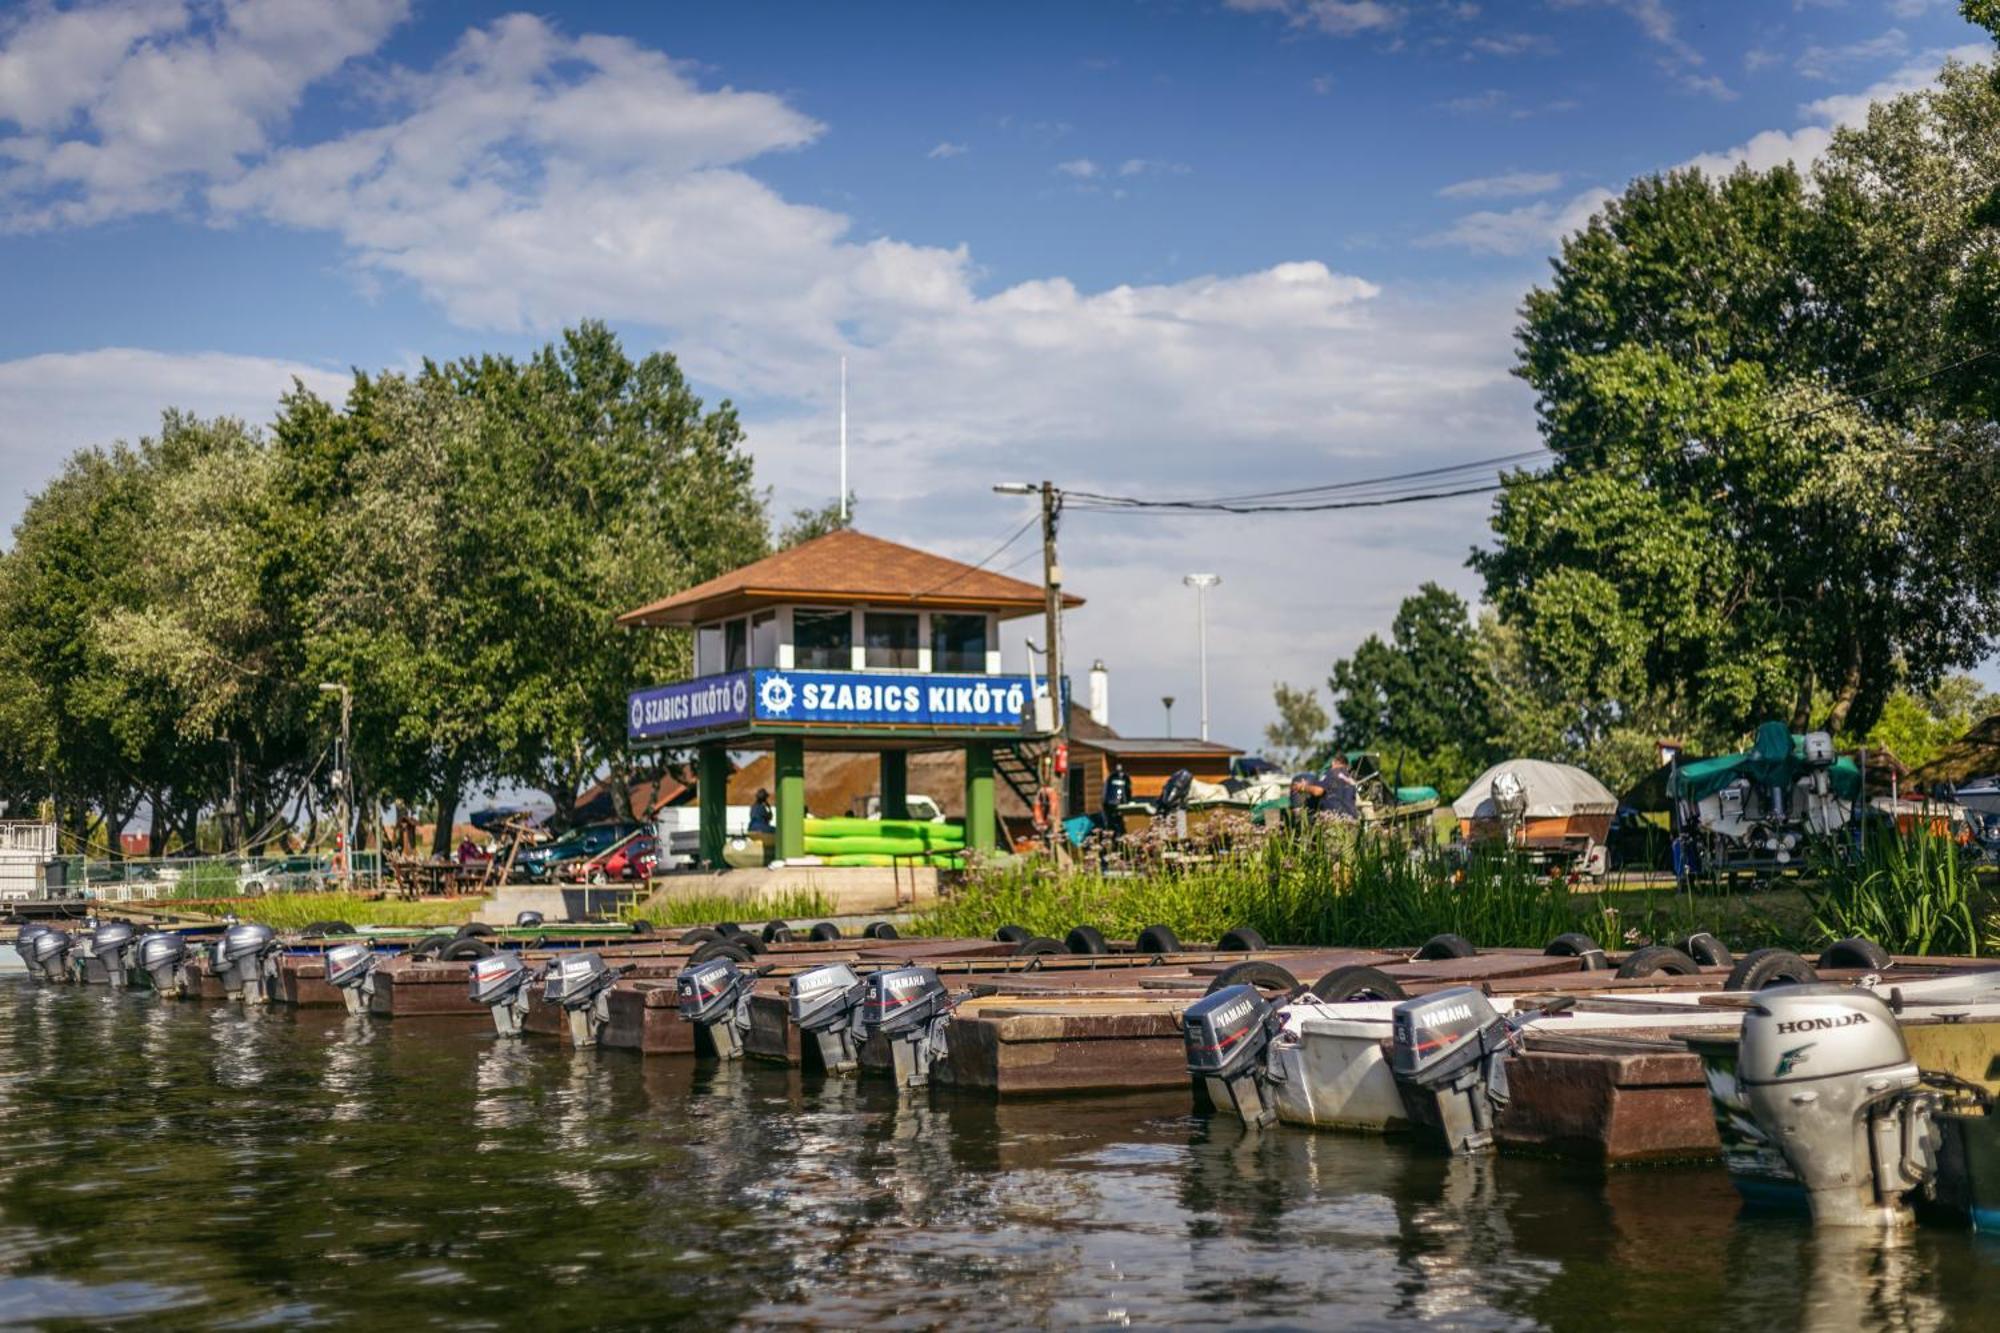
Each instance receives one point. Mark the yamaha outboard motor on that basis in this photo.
(246, 958)
(350, 969)
(501, 983)
(1448, 1051)
(1829, 1080)
(164, 959)
(910, 1007)
(112, 944)
(715, 997)
(528, 919)
(581, 984)
(47, 954)
(826, 1005)
(1228, 1038)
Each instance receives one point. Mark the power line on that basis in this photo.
(991, 556)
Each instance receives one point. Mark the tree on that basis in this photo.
(807, 523)
(1421, 698)
(1298, 737)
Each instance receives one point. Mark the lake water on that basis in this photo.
(180, 1165)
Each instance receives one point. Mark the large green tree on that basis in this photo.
(1420, 697)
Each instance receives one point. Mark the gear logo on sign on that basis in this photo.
(774, 696)
(739, 695)
(638, 713)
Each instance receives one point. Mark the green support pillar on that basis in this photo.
(712, 790)
(789, 759)
(979, 796)
(895, 784)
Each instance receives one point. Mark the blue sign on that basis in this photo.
(888, 699)
(691, 705)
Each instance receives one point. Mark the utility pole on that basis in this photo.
(1201, 583)
(345, 767)
(1052, 613)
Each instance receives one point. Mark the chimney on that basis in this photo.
(1100, 694)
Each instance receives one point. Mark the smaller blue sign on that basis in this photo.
(691, 705)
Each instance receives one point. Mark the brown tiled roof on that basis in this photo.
(847, 566)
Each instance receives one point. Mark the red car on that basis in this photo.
(631, 859)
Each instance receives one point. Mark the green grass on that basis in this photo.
(669, 908)
(290, 911)
(1910, 893)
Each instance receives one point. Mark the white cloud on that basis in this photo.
(1518, 231)
(1152, 166)
(1080, 167)
(120, 105)
(1334, 18)
(1512, 184)
(1322, 84)
(1513, 44)
(946, 148)
(1912, 9)
(53, 404)
(1679, 60)
(1822, 62)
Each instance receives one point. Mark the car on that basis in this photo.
(620, 862)
(287, 874)
(545, 862)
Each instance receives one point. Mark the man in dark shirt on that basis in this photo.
(1331, 792)
(760, 813)
(1117, 791)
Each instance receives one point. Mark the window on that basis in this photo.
(822, 640)
(708, 650)
(764, 639)
(735, 646)
(958, 643)
(891, 638)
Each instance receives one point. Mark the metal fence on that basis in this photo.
(140, 879)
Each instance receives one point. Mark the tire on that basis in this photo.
(782, 935)
(699, 935)
(714, 949)
(1241, 940)
(878, 930)
(465, 949)
(1358, 983)
(472, 928)
(1763, 968)
(321, 929)
(729, 930)
(749, 944)
(1013, 934)
(1856, 951)
(1157, 939)
(1086, 940)
(1707, 950)
(772, 929)
(1575, 944)
(1658, 960)
(429, 946)
(642, 927)
(825, 930)
(1039, 946)
(1446, 946)
(1264, 976)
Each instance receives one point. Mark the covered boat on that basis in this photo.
(1554, 811)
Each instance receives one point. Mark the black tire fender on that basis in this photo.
(471, 929)
(1264, 976)
(712, 949)
(1086, 940)
(1158, 939)
(1039, 946)
(1855, 951)
(825, 930)
(1013, 934)
(1355, 982)
(1658, 960)
(1762, 968)
(1445, 946)
(1242, 939)
(1707, 950)
(771, 929)
(465, 949)
(878, 930)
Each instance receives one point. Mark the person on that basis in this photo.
(760, 813)
(1117, 791)
(1333, 791)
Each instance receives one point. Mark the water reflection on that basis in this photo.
(185, 1164)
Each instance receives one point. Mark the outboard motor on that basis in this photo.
(47, 954)
(112, 944)
(350, 969)
(164, 959)
(501, 982)
(910, 1007)
(1448, 1051)
(1830, 1082)
(826, 1004)
(1228, 1038)
(581, 984)
(246, 958)
(528, 919)
(715, 997)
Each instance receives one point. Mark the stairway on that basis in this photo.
(1019, 765)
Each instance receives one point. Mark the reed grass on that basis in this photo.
(1911, 893)
(701, 909)
(290, 911)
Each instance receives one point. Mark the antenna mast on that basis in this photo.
(843, 441)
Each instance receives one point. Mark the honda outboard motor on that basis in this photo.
(350, 969)
(501, 983)
(1228, 1038)
(581, 984)
(47, 954)
(715, 997)
(1829, 1080)
(164, 959)
(112, 944)
(246, 958)
(1448, 1051)
(826, 1004)
(910, 1007)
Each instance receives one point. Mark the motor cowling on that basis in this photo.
(501, 982)
(350, 969)
(715, 997)
(164, 959)
(825, 1003)
(1448, 1051)
(911, 1008)
(1828, 1079)
(581, 984)
(47, 954)
(1228, 1038)
(245, 958)
(111, 944)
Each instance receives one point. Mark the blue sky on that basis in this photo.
(1136, 247)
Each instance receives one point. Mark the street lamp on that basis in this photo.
(1168, 700)
(1201, 583)
(346, 767)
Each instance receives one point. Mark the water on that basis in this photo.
(176, 1165)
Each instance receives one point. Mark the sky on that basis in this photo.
(1136, 247)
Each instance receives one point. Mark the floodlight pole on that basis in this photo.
(1201, 583)
(346, 767)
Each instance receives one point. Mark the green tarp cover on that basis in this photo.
(1776, 758)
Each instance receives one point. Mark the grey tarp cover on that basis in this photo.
(1555, 791)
